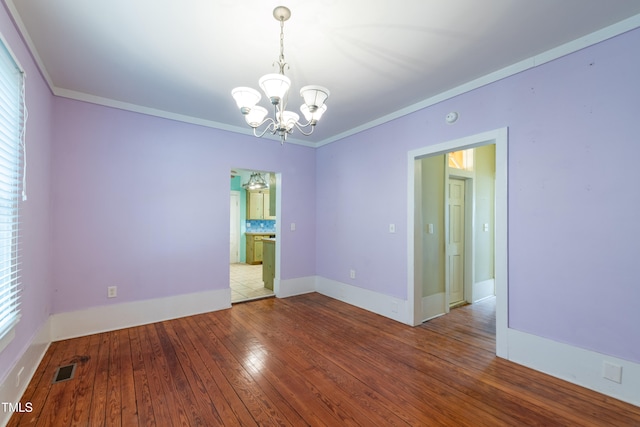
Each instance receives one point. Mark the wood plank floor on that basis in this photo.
(306, 360)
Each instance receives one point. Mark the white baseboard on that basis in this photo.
(484, 289)
(12, 390)
(118, 316)
(378, 303)
(575, 365)
(297, 286)
(433, 304)
(102, 319)
(572, 364)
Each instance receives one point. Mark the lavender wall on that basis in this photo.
(142, 203)
(573, 199)
(35, 212)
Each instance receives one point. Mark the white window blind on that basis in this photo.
(12, 125)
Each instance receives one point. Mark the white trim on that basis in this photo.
(572, 364)
(575, 365)
(433, 304)
(118, 316)
(102, 319)
(569, 363)
(237, 234)
(483, 289)
(12, 390)
(7, 46)
(378, 303)
(7, 338)
(499, 137)
(107, 102)
(279, 228)
(155, 112)
(532, 62)
(297, 286)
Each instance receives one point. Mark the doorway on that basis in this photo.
(253, 220)
(234, 227)
(428, 295)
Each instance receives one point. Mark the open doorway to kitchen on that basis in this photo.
(431, 251)
(252, 231)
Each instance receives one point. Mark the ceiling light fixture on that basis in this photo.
(276, 88)
(256, 182)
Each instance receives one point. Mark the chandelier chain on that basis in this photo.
(281, 62)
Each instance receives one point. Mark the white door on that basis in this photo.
(234, 228)
(455, 241)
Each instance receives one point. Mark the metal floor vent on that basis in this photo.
(64, 373)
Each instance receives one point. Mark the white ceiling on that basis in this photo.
(180, 59)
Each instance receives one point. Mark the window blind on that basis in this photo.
(12, 125)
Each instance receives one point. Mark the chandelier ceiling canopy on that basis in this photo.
(276, 88)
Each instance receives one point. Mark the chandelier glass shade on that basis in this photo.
(276, 88)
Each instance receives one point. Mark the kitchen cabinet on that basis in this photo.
(266, 205)
(254, 248)
(269, 262)
(259, 204)
(255, 204)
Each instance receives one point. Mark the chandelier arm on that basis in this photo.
(300, 127)
(271, 128)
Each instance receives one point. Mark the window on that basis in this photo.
(461, 159)
(12, 121)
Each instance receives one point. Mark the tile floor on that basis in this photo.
(246, 283)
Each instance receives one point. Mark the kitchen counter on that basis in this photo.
(254, 246)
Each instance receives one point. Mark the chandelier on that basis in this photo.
(256, 182)
(276, 88)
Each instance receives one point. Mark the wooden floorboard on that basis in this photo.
(306, 360)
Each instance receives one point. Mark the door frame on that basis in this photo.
(279, 241)
(235, 194)
(499, 137)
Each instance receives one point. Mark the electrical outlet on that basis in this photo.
(352, 274)
(112, 291)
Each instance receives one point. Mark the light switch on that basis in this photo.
(293, 226)
(430, 228)
(486, 227)
(392, 228)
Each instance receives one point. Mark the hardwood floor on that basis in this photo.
(306, 360)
